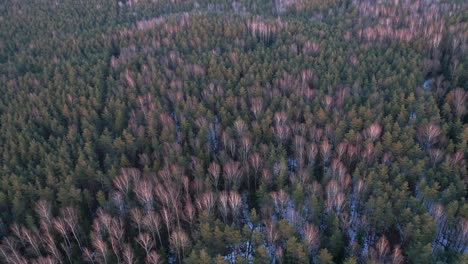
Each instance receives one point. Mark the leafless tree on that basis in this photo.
(223, 205)
(235, 203)
(369, 153)
(137, 218)
(280, 118)
(88, 256)
(429, 135)
(435, 156)
(271, 233)
(256, 106)
(262, 29)
(312, 154)
(16, 230)
(246, 145)
(44, 260)
(128, 255)
(169, 194)
(337, 169)
(256, 163)
(179, 241)
(144, 193)
(206, 202)
(266, 177)
(101, 247)
(382, 248)
(280, 200)
(326, 102)
(462, 238)
(70, 217)
(62, 228)
(312, 237)
(281, 133)
(9, 251)
(123, 183)
(196, 186)
(351, 153)
(335, 198)
(117, 230)
(153, 258)
(153, 223)
(214, 171)
(456, 160)
(232, 175)
(373, 132)
(145, 241)
(341, 149)
(118, 201)
(103, 222)
(167, 219)
(190, 212)
(228, 143)
(397, 256)
(325, 151)
(44, 210)
(116, 247)
(316, 134)
(459, 101)
(240, 127)
(32, 238)
(50, 246)
(299, 143)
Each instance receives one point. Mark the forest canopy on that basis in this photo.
(222, 131)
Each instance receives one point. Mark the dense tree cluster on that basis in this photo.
(273, 131)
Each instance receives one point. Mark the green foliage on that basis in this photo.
(324, 257)
(114, 112)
